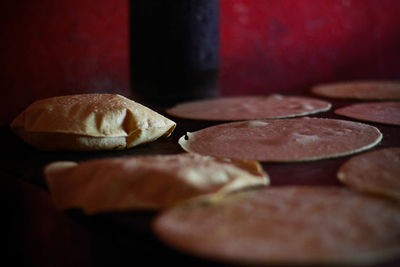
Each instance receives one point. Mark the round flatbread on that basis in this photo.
(89, 122)
(374, 172)
(249, 108)
(286, 225)
(381, 112)
(363, 90)
(299, 139)
(146, 182)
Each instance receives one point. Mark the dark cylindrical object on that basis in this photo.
(174, 50)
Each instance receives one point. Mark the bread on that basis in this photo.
(361, 90)
(89, 122)
(284, 140)
(147, 182)
(376, 172)
(239, 108)
(285, 226)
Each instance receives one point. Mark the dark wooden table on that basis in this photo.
(38, 235)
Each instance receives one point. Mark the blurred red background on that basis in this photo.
(60, 47)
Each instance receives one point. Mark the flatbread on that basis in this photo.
(286, 225)
(375, 172)
(381, 112)
(362, 90)
(249, 107)
(299, 139)
(146, 182)
(89, 122)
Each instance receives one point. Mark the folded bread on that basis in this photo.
(89, 122)
(146, 182)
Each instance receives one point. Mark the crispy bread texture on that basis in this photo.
(89, 122)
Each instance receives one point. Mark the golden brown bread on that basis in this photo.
(147, 182)
(89, 122)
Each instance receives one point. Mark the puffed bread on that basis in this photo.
(89, 122)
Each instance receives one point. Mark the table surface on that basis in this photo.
(39, 235)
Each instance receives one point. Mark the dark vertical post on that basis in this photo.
(174, 50)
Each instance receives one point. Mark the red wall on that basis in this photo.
(284, 45)
(59, 47)
(54, 47)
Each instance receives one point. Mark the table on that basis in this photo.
(39, 235)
